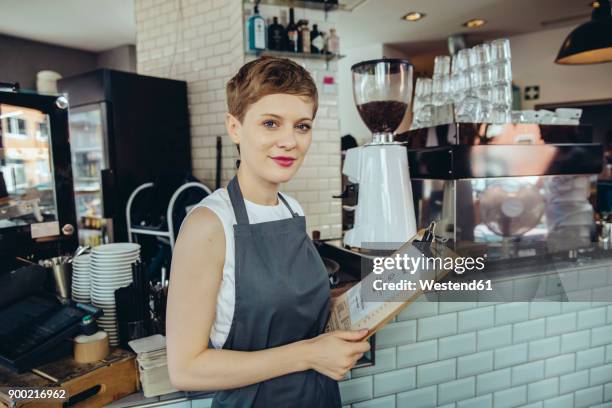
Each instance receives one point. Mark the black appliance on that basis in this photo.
(37, 213)
(125, 129)
(35, 327)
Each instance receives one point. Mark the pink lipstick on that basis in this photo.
(283, 161)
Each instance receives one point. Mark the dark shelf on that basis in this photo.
(345, 5)
(288, 54)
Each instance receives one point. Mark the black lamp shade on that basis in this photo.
(591, 42)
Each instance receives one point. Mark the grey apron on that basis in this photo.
(282, 296)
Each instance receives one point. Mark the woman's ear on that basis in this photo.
(233, 126)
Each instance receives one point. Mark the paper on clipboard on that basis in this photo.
(350, 311)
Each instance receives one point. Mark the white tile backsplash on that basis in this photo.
(556, 366)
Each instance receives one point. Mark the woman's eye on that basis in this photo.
(304, 127)
(270, 124)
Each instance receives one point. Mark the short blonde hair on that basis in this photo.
(266, 76)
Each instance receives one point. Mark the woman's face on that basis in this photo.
(274, 135)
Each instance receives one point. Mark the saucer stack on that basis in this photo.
(81, 279)
(110, 270)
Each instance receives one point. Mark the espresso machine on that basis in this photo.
(384, 215)
(512, 191)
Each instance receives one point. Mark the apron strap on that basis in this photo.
(237, 199)
(293, 213)
(233, 189)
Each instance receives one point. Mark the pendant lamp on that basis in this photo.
(591, 42)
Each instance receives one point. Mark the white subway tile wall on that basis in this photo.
(202, 42)
(510, 356)
(559, 358)
(493, 381)
(564, 401)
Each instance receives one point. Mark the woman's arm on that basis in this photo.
(197, 269)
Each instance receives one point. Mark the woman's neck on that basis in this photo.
(255, 189)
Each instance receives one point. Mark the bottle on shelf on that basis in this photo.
(257, 31)
(284, 21)
(292, 33)
(317, 42)
(333, 42)
(283, 18)
(276, 36)
(305, 37)
(300, 47)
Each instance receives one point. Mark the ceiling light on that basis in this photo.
(475, 23)
(594, 4)
(591, 42)
(414, 16)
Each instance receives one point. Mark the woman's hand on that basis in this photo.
(334, 353)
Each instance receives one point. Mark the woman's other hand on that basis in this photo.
(335, 353)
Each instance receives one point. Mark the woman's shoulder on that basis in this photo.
(201, 225)
(217, 200)
(217, 203)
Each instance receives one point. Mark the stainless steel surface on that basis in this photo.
(68, 229)
(381, 138)
(486, 161)
(332, 271)
(500, 134)
(567, 220)
(61, 269)
(62, 274)
(61, 102)
(79, 251)
(511, 208)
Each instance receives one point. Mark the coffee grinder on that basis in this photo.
(385, 211)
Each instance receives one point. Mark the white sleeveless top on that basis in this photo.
(219, 202)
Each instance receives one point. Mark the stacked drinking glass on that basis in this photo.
(433, 104)
(478, 84)
(422, 105)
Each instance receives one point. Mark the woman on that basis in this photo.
(249, 294)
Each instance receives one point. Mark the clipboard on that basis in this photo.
(350, 311)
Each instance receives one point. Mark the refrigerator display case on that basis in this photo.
(125, 130)
(37, 216)
(89, 158)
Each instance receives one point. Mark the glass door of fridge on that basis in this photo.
(89, 157)
(27, 187)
